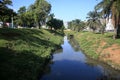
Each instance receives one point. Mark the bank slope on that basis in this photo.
(100, 47)
(24, 52)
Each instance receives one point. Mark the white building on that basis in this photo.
(109, 26)
(1, 23)
(66, 25)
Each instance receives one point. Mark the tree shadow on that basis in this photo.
(12, 34)
(109, 36)
(23, 65)
(26, 36)
(55, 32)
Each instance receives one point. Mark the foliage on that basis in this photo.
(76, 25)
(42, 9)
(90, 42)
(5, 12)
(93, 21)
(35, 15)
(55, 23)
(21, 17)
(111, 7)
(24, 52)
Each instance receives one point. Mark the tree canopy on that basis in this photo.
(35, 15)
(111, 7)
(55, 23)
(76, 25)
(5, 12)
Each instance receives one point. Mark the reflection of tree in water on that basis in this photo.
(46, 69)
(108, 72)
(58, 51)
(108, 78)
(74, 43)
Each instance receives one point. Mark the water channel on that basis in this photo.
(71, 64)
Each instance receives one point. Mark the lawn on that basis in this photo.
(25, 52)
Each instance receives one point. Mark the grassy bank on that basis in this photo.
(24, 52)
(98, 46)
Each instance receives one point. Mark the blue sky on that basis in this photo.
(66, 10)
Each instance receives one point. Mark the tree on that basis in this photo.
(5, 3)
(51, 16)
(21, 17)
(22, 10)
(5, 12)
(93, 20)
(36, 14)
(42, 9)
(76, 25)
(55, 23)
(30, 16)
(111, 7)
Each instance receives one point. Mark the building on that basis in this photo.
(66, 25)
(109, 26)
(1, 23)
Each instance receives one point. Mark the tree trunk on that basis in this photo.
(50, 27)
(115, 33)
(39, 25)
(118, 31)
(102, 32)
(114, 21)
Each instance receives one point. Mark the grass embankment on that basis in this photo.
(24, 52)
(100, 47)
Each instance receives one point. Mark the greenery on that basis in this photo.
(76, 25)
(55, 23)
(24, 52)
(5, 12)
(93, 21)
(89, 42)
(111, 8)
(33, 16)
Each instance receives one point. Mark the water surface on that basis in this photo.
(71, 64)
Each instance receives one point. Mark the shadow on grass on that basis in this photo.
(23, 65)
(109, 36)
(10, 34)
(55, 32)
(25, 35)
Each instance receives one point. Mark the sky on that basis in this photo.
(65, 10)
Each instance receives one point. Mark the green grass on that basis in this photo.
(89, 42)
(24, 52)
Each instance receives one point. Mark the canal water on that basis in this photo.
(71, 64)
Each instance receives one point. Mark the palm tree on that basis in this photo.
(93, 20)
(111, 7)
(115, 8)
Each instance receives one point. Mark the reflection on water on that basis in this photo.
(71, 64)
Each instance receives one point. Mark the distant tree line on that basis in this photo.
(35, 15)
(98, 18)
(76, 25)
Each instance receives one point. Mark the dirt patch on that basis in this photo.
(111, 54)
